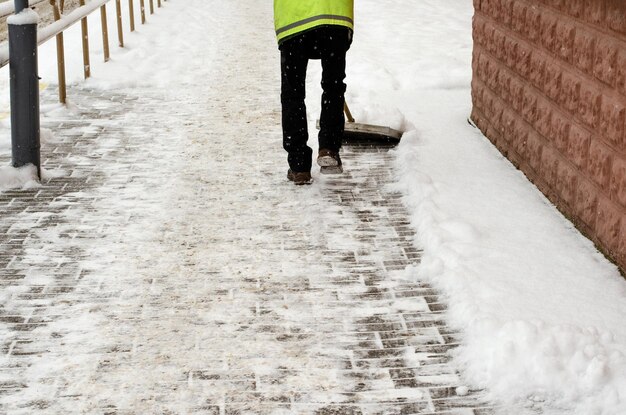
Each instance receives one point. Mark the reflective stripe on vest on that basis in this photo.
(314, 19)
(294, 16)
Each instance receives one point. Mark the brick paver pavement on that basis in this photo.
(173, 269)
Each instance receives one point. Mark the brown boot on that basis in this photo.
(299, 178)
(329, 161)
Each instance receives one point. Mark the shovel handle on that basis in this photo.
(349, 116)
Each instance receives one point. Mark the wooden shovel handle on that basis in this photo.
(349, 116)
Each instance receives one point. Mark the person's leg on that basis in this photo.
(293, 62)
(335, 42)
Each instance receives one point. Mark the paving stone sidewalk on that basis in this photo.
(171, 268)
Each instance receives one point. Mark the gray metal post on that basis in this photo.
(24, 92)
(20, 5)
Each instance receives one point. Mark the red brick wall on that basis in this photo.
(549, 90)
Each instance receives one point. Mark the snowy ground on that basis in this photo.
(540, 311)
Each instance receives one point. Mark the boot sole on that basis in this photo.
(327, 161)
(331, 169)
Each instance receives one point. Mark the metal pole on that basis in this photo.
(20, 5)
(24, 81)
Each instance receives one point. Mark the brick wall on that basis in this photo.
(549, 90)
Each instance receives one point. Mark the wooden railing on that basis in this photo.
(64, 21)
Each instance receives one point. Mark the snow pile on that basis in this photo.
(573, 368)
(15, 178)
(541, 310)
(380, 115)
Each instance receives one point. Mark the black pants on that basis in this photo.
(330, 44)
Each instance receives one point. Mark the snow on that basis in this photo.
(70, 19)
(541, 311)
(26, 16)
(24, 177)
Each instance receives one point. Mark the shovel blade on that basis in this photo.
(358, 133)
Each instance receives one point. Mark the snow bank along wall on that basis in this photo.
(549, 90)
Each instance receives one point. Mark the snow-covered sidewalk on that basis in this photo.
(168, 266)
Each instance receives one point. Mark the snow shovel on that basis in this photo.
(357, 133)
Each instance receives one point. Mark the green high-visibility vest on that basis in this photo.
(294, 16)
